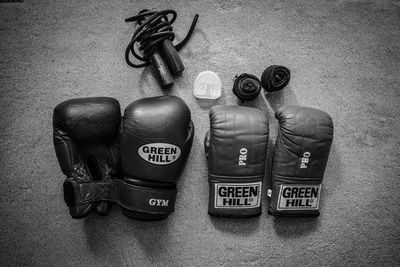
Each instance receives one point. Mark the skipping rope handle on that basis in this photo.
(171, 57)
(155, 37)
(161, 69)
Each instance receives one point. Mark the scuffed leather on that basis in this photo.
(85, 134)
(301, 129)
(233, 128)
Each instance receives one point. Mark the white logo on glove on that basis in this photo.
(240, 195)
(159, 153)
(158, 202)
(242, 157)
(298, 197)
(304, 160)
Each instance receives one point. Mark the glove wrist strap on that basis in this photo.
(76, 194)
(146, 199)
(131, 197)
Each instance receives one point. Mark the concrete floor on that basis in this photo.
(344, 58)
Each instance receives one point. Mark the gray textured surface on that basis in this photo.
(344, 58)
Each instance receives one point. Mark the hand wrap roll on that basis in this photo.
(275, 78)
(246, 87)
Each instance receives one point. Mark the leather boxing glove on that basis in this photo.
(156, 139)
(300, 156)
(85, 139)
(236, 148)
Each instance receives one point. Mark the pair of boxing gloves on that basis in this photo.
(136, 160)
(236, 149)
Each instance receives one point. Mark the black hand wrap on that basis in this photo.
(246, 87)
(275, 78)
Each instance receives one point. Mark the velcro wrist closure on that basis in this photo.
(76, 194)
(146, 199)
(295, 199)
(132, 197)
(235, 199)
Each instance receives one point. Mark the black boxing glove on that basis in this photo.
(156, 139)
(300, 157)
(85, 139)
(236, 148)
